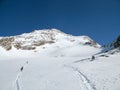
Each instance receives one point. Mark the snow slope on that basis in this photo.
(60, 73)
(63, 65)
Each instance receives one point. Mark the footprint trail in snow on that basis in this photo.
(17, 84)
(84, 79)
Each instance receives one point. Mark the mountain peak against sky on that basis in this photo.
(30, 41)
(53, 30)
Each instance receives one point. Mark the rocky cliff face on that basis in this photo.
(113, 45)
(90, 42)
(116, 43)
(6, 42)
(29, 41)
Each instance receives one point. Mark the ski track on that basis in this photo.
(84, 79)
(17, 84)
(87, 59)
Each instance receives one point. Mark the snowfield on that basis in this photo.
(45, 72)
(64, 65)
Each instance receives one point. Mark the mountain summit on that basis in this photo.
(37, 38)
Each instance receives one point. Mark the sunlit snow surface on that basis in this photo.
(52, 71)
(64, 65)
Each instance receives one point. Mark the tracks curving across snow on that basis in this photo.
(17, 83)
(84, 78)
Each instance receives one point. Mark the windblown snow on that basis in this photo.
(66, 64)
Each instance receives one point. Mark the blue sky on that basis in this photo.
(99, 19)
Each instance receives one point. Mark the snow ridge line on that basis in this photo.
(85, 80)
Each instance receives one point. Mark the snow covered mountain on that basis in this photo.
(47, 42)
(53, 60)
(29, 41)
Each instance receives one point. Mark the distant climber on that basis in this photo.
(21, 68)
(93, 58)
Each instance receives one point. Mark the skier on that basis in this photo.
(93, 57)
(21, 68)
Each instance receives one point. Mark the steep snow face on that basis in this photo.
(29, 41)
